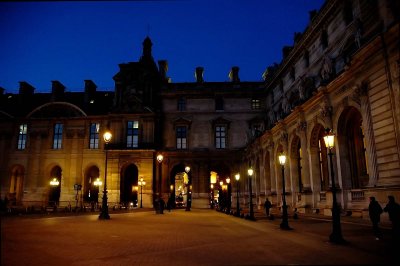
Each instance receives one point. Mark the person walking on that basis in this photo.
(393, 209)
(375, 210)
(267, 206)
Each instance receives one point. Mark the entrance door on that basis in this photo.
(129, 186)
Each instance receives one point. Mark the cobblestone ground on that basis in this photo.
(198, 237)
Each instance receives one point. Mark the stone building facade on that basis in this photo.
(342, 73)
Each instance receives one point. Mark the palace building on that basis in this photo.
(342, 74)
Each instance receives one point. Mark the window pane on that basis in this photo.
(132, 134)
(94, 136)
(57, 139)
(22, 137)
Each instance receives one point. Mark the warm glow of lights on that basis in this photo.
(141, 182)
(187, 169)
(228, 180)
(237, 177)
(282, 159)
(107, 136)
(160, 158)
(54, 182)
(171, 187)
(98, 182)
(329, 140)
(213, 177)
(250, 171)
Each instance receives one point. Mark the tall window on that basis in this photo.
(323, 165)
(181, 140)
(132, 134)
(22, 136)
(255, 104)
(299, 154)
(219, 104)
(220, 137)
(57, 138)
(181, 104)
(94, 136)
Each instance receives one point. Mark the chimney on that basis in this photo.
(25, 88)
(199, 74)
(234, 74)
(57, 90)
(90, 90)
(163, 68)
(286, 51)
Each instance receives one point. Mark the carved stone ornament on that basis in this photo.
(326, 109)
(284, 137)
(301, 126)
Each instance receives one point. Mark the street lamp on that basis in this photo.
(141, 183)
(228, 182)
(284, 223)
(250, 174)
(336, 235)
(104, 207)
(237, 177)
(212, 196)
(160, 158)
(189, 193)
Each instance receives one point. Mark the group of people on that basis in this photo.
(375, 210)
(392, 208)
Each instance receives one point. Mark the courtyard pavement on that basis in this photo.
(196, 237)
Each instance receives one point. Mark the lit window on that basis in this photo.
(94, 136)
(132, 134)
(57, 138)
(220, 137)
(181, 140)
(255, 104)
(22, 136)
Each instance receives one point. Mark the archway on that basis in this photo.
(352, 149)
(296, 164)
(55, 185)
(319, 159)
(16, 185)
(179, 183)
(129, 185)
(91, 188)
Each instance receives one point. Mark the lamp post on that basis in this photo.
(141, 183)
(228, 182)
(284, 223)
(160, 158)
(250, 174)
(336, 235)
(189, 192)
(104, 207)
(212, 196)
(237, 177)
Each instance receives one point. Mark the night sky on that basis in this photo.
(74, 41)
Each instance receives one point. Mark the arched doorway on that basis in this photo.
(179, 184)
(55, 186)
(296, 164)
(16, 185)
(129, 186)
(352, 148)
(319, 160)
(91, 188)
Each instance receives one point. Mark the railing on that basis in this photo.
(357, 195)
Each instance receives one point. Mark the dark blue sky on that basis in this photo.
(74, 41)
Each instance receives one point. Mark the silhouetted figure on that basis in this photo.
(375, 210)
(161, 203)
(267, 207)
(295, 215)
(393, 208)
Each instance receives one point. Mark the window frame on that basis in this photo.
(94, 136)
(132, 134)
(58, 136)
(22, 137)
